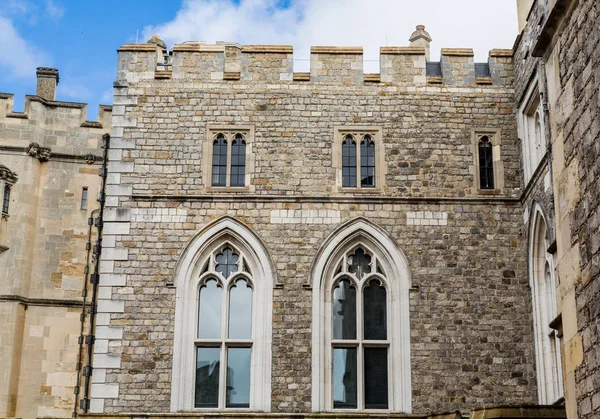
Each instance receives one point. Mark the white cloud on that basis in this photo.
(73, 88)
(107, 97)
(477, 24)
(20, 56)
(54, 10)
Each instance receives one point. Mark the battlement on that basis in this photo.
(198, 61)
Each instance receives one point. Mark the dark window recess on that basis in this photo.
(6, 199)
(219, 161)
(344, 311)
(433, 68)
(238, 161)
(486, 164)
(227, 262)
(367, 162)
(375, 311)
(482, 70)
(376, 378)
(84, 198)
(349, 162)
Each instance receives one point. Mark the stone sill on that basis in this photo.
(435, 80)
(372, 78)
(483, 80)
(301, 77)
(231, 75)
(162, 74)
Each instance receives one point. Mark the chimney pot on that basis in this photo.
(47, 80)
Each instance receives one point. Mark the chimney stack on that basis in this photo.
(47, 79)
(421, 38)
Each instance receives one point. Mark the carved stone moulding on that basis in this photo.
(7, 175)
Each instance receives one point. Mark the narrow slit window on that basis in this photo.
(349, 162)
(486, 164)
(84, 198)
(238, 161)
(6, 199)
(367, 162)
(219, 161)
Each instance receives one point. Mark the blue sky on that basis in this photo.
(80, 37)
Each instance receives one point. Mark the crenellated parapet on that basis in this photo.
(197, 61)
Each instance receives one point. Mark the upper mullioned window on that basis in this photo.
(228, 158)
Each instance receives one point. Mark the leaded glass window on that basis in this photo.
(359, 339)
(6, 199)
(238, 161)
(367, 162)
(349, 162)
(219, 161)
(486, 164)
(224, 335)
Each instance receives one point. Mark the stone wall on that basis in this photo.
(470, 312)
(54, 152)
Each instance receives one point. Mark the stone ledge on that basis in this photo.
(198, 47)
(372, 78)
(435, 79)
(522, 411)
(163, 74)
(458, 52)
(137, 47)
(267, 49)
(231, 75)
(402, 50)
(301, 77)
(483, 80)
(336, 50)
(501, 52)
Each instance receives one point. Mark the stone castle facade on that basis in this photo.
(335, 243)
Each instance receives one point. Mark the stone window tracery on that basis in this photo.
(488, 167)
(228, 158)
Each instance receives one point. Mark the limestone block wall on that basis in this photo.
(54, 152)
(470, 312)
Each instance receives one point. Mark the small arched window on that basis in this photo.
(359, 336)
(219, 161)
(6, 199)
(238, 161)
(367, 162)
(224, 336)
(349, 162)
(486, 163)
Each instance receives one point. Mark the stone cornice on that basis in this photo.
(501, 52)
(336, 50)
(198, 47)
(266, 49)
(402, 50)
(137, 47)
(45, 302)
(89, 158)
(458, 52)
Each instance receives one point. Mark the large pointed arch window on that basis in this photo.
(221, 353)
(361, 338)
(543, 286)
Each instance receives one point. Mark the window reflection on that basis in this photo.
(209, 312)
(207, 377)
(344, 311)
(344, 378)
(238, 377)
(240, 311)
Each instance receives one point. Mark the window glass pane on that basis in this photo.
(344, 311)
(84, 193)
(207, 377)
(375, 311)
(486, 164)
(219, 162)
(349, 162)
(6, 199)
(358, 263)
(367, 162)
(238, 161)
(240, 311)
(227, 262)
(209, 312)
(376, 378)
(344, 378)
(238, 377)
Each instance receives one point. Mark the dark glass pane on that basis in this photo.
(219, 161)
(349, 163)
(375, 311)
(207, 377)
(209, 312)
(240, 311)
(227, 262)
(344, 378)
(486, 164)
(376, 378)
(358, 263)
(238, 377)
(367, 162)
(344, 311)
(238, 161)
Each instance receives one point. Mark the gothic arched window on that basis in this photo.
(238, 161)
(367, 162)
(486, 163)
(221, 353)
(349, 162)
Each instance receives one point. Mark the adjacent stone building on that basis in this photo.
(48, 183)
